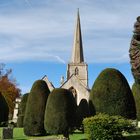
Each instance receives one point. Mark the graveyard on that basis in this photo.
(109, 110)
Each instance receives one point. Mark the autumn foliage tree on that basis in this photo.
(8, 87)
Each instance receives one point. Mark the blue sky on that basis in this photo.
(36, 37)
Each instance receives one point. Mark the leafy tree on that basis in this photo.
(136, 93)
(8, 87)
(4, 110)
(35, 109)
(111, 94)
(135, 51)
(21, 110)
(60, 112)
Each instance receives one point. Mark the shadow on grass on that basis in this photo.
(21, 139)
(133, 137)
(78, 132)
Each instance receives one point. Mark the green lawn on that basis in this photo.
(19, 135)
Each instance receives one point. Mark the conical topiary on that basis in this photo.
(21, 110)
(111, 94)
(60, 112)
(82, 112)
(135, 51)
(136, 93)
(4, 111)
(35, 109)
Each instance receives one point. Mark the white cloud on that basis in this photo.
(35, 33)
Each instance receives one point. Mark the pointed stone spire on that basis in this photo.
(77, 53)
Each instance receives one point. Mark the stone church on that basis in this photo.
(77, 72)
(77, 69)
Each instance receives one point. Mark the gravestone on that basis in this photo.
(7, 133)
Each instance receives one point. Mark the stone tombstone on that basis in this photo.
(7, 133)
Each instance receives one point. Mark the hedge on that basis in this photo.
(4, 111)
(35, 109)
(111, 94)
(60, 112)
(21, 110)
(105, 127)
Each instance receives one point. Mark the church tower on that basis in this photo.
(77, 69)
(77, 66)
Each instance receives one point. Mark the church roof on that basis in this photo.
(50, 85)
(77, 53)
(76, 80)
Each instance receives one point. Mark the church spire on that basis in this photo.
(77, 53)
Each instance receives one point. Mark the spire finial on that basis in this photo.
(78, 10)
(78, 15)
(77, 54)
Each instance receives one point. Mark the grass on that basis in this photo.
(134, 135)
(19, 135)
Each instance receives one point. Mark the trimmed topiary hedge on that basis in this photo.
(82, 112)
(105, 127)
(21, 111)
(35, 109)
(60, 112)
(111, 94)
(136, 93)
(4, 111)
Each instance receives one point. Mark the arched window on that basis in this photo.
(76, 71)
